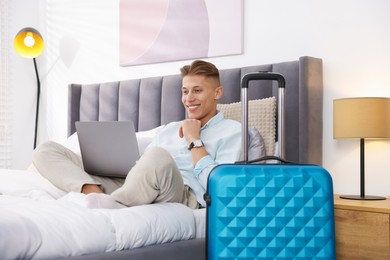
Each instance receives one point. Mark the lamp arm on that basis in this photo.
(37, 105)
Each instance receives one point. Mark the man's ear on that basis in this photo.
(218, 93)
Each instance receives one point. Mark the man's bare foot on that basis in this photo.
(91, 188)
(102, 201)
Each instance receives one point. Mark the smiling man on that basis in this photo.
(193, 147)
(174, 167)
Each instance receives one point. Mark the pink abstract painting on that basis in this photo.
(154, 31)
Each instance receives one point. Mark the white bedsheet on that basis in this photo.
(37, 220)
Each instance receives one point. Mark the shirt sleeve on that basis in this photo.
(203, 168)
(228, 151)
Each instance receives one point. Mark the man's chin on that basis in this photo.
(192, 116)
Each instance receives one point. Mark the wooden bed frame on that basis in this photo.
(151, 102)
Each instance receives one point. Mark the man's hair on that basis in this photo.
(200, 67)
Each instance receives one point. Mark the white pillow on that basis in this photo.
(261, 115)
(72, 143)
(144, 138)
(18, 182)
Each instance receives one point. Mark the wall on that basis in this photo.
(350, 36)
(22, 80)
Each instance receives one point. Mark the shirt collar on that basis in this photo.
(214, 120)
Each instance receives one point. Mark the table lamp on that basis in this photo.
(361, 118)
(28, 43)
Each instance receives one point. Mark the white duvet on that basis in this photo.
(39, 221)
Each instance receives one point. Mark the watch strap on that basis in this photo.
(195, 144)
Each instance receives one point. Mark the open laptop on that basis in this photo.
(108, 148)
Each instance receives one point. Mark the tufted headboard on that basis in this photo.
(150, 102)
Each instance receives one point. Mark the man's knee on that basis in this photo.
(158, 164)
(159, 155)
(41, 152)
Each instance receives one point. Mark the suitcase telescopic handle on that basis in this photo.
(281, 109)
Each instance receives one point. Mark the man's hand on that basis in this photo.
(190, 130)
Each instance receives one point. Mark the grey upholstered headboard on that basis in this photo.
(151, 102)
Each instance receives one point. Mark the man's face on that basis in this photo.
(199, 96)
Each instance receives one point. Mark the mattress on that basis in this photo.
(39, 221)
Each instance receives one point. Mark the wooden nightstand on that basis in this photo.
(362, 229)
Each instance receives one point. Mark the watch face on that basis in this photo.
(198, 143)
(194, 144)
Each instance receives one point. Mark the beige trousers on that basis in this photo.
(155, 177)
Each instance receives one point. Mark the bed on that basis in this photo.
(40, 221)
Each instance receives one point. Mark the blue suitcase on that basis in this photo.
(269, 211)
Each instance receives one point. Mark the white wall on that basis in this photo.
(22, 80)
(351, 37)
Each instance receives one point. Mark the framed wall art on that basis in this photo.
(154, 31)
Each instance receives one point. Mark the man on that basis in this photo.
(174, 167)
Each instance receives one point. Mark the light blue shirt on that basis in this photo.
(222, 140)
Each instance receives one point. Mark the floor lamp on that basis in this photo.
(361, 119)
(28, 43)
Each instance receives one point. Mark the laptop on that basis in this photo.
(108, 148)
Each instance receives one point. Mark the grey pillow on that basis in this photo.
(256, 145)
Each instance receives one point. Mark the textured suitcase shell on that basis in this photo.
(270, 212)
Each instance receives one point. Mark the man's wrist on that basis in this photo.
(195, 144)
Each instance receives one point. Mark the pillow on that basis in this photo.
(256, 145)
(72, 143)
(29, 183)
(144, 138)
(261, 115)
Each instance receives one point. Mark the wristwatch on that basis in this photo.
(195, 144)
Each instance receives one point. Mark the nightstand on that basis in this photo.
(362, 229)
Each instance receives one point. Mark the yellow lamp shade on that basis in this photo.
(356, 118)
(28, 43)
